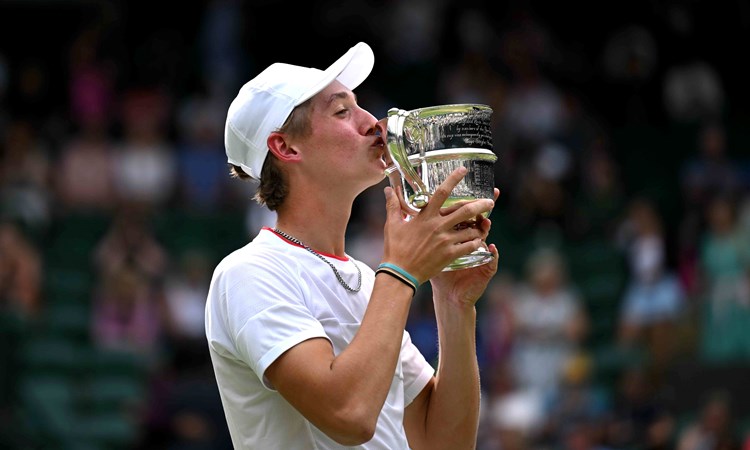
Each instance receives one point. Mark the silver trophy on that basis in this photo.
(427, 144)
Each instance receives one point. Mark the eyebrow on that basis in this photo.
(341, 95)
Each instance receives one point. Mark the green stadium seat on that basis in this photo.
(103, 393)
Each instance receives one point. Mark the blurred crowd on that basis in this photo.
(131, 137)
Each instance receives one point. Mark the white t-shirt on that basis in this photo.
(269, 296)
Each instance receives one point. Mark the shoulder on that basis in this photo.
(261, 259)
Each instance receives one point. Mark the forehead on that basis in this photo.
(332, 92)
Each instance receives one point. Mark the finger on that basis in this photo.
(449, 209)
(495, 257)
(466, 235)
(467, 247)
(443, 191)
(392, 204)
(470, 211)
(484, 226)
(398, 187)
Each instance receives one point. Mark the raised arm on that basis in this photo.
(343, 394)
(446, 413)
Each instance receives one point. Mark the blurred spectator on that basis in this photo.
(185, 293)
(713, 429)
(711, 172)
(472, 79)
(496, 322)
(130, 242)
(534, 105)
(550, 323)
(29, 95)
(84, 179)
(203, 172)
(660, 435)
(222, 60)
(581, 436)
(630, 55)
(194, 414)
(637, 408)
(127, 314)
(91, 85)
(601, 197)
(25, 177)
(21, 272)
(687, 257)
(513, 416)
(410, 39)
(693, 92)
(578, 402)
(542, 198)
(630, 60)
(145, 163)
(654, 301)
(84, 174)
(725, 274)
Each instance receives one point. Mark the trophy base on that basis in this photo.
(473, 259)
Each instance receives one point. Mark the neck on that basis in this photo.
(319, 222)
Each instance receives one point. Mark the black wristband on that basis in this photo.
(399, 277)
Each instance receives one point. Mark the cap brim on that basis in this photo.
(351, 70)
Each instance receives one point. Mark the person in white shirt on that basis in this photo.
(308, 345)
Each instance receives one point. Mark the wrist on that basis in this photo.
(454, 303)
(398, 273)
(394, 282)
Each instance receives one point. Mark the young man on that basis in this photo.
(308, 345)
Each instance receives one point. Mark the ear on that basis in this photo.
(279, 146)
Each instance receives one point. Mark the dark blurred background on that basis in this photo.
(620, 315)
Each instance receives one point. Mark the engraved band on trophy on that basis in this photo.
(427, 144)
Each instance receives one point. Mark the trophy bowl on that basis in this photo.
(426, 145)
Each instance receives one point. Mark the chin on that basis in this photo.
(372, 178)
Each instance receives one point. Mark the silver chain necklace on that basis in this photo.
(336, 272)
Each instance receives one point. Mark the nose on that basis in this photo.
(381, 126)
(378, 128)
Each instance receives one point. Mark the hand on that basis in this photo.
(430, 240)
(466, 286)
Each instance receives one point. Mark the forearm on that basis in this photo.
(367, 365)
(452, 415)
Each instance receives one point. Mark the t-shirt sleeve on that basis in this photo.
(417, 371)
(267, 315)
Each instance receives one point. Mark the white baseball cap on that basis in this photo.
(264, 103)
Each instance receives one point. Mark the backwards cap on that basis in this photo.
(264, 103)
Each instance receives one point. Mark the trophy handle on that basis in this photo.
(399, 157)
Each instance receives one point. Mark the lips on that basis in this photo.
(379, 144)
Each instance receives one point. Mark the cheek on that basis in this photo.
(338, 146)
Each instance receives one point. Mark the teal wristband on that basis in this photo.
(401, 271)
